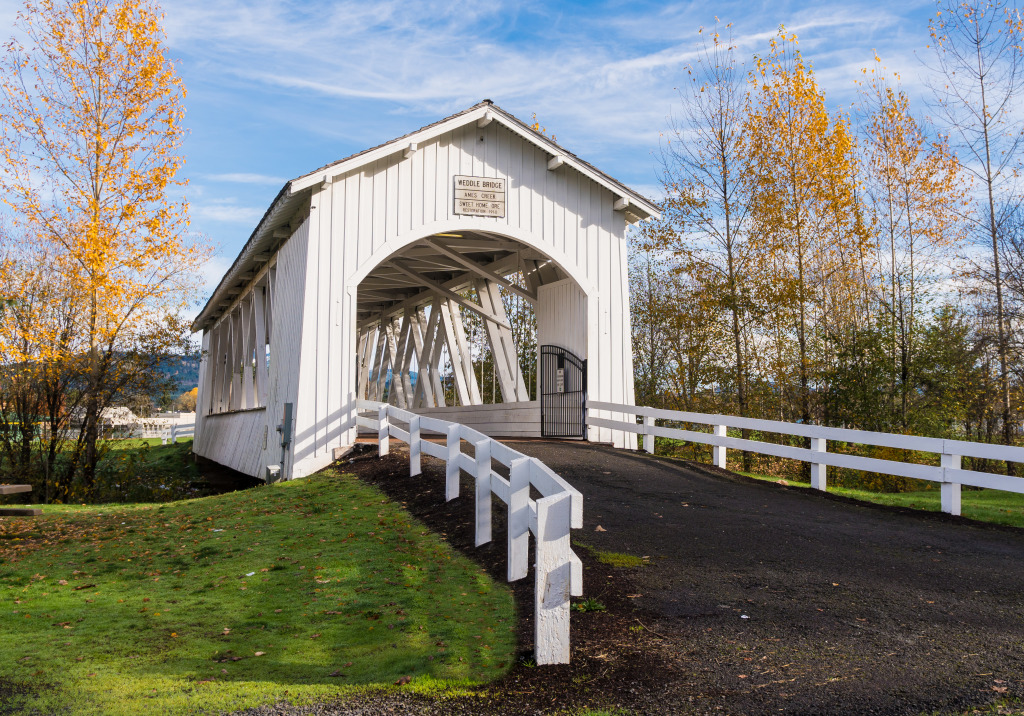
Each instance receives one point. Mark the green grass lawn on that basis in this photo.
(1005, 508)
(298, 591)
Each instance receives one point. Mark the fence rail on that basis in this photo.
(558, 571)
(183, 430)
(948, 473)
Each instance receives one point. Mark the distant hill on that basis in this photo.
(182, 370)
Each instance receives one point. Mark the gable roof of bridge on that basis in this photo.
(288, 200)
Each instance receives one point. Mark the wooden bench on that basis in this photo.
(17, 511)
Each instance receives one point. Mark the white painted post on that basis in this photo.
(818, 481)
(648, 438)
(720, 431)
(552, 579)
(950, 490)
(414, 446)
(451, 468)
(519, 519)
(383, 432)
(482, 450)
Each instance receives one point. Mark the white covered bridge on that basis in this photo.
(362, 277)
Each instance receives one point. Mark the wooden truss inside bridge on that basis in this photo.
(410, 313)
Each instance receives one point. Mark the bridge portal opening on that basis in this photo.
(455, 322)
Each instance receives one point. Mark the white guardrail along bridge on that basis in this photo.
(558, 571)
(948, 473)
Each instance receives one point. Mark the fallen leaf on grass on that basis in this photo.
(260, 653)
(599, 528)
(84, 586)
(406, 679)
(335, 673)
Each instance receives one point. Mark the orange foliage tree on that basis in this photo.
(805, 218)
(915, 195)
(92, 114)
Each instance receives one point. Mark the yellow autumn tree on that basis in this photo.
(38, 318)
(805, 221)
(92, 114)
(915, 193)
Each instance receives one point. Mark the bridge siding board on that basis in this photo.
(500, 419)
(568, 216)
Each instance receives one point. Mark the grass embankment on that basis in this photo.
(1004, 508)
(299, 591)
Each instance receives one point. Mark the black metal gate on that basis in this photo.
(563, 394)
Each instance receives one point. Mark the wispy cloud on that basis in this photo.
(603, 65)
(305, 83)
(246, 178)
(226, 211)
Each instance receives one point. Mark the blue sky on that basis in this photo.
(278, 88)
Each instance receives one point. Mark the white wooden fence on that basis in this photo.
(559, 572)
(182, 430)
(947, 473)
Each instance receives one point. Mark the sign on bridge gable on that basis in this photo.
(480, 196)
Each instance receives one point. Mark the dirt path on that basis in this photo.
(757, 598)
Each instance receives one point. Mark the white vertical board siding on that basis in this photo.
(499, 420)
(233, 439)
(248, 441)
(364, 217)
(285, 348)
(562, 317)
(325, 415)
(203, 394)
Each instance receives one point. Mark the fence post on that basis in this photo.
(648, 438)
(414, 446)
(383, 432)
(174, 434)
(451, 468)
(719, 450)
(519, 519)
(482, 451)
(950, 490)
(818, 480)
(552, 580)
